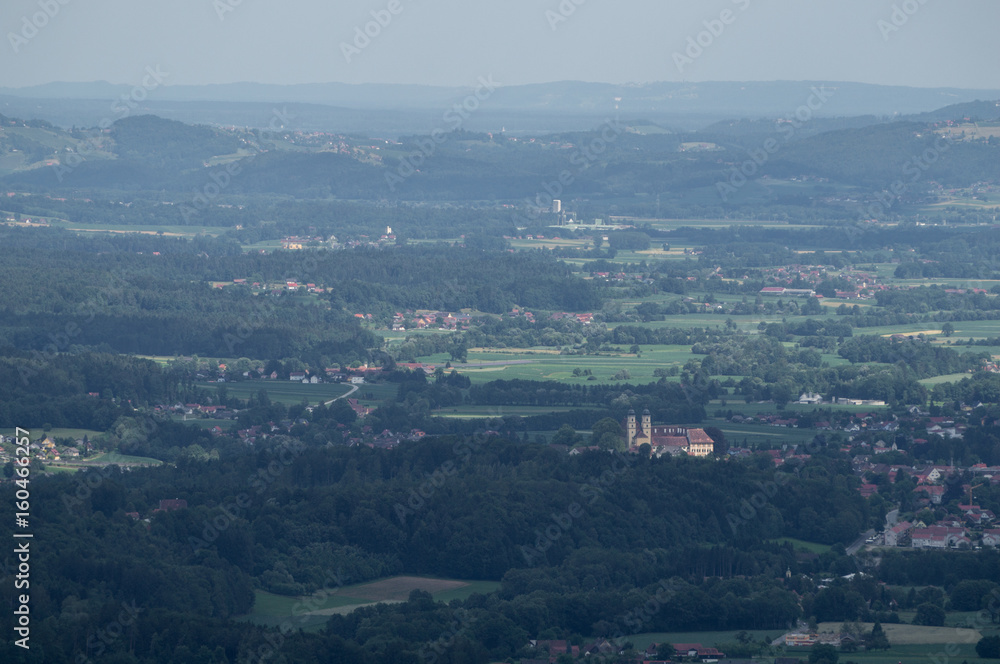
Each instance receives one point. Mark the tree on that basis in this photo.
(721, 447)
(608, 435)
(665, 651)
(988, 647)
(823, 653)
(566, 436)
(930, 615)
(876, 639)
(968, 595)
(948, 329)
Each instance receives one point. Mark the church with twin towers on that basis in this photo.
(666, 439)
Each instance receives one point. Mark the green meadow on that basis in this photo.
(311, 612)
(547, 364)
(286, 391)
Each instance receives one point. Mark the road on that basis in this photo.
(860, 542)
(354, 388)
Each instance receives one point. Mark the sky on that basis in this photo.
(920, 43)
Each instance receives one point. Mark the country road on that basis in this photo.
(354, 388)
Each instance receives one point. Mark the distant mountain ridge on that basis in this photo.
(724, 99)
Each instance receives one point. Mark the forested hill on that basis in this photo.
(486, 508)
(619, 160)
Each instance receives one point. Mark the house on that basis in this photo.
(937, 537)
(935, 492)
(991, 537)
(899, 535)
(297, 376)
(868, 490)
(171, 504)
(697, 651)
(796, 639)
(555, 647)
(810, 398)
(600, 647)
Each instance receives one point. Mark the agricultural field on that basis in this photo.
(311, 612)
(110, 458)
(709, 638)
(489, 412)
(811, 547)
(759, 435)
(548, 364)
(166, 231)
(287, 392)
(39, 434)
(911, 635)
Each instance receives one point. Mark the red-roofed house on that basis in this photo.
(899, 535)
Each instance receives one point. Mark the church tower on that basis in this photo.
(647, 427)
(630, 426)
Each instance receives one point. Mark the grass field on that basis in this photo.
(124, 460)
(708, 639)
(948, 378)
(811, 547)
(545, 364)
(287, 392)
(39, 434)
(311, 613)
(761, 435)
(948, 651)
(737, 405)
(912, 635)
(169, 231)
(483, 412)
(909, 643)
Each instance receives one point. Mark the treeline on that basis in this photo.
(923, 359)
(85, 391)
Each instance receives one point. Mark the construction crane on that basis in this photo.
(970, 492)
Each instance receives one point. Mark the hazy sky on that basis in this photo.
(928, 43)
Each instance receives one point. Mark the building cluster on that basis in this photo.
(954, 532)
(666, 439)
(789, 281)
(48, 449)
(549, 651)
(426, 319)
